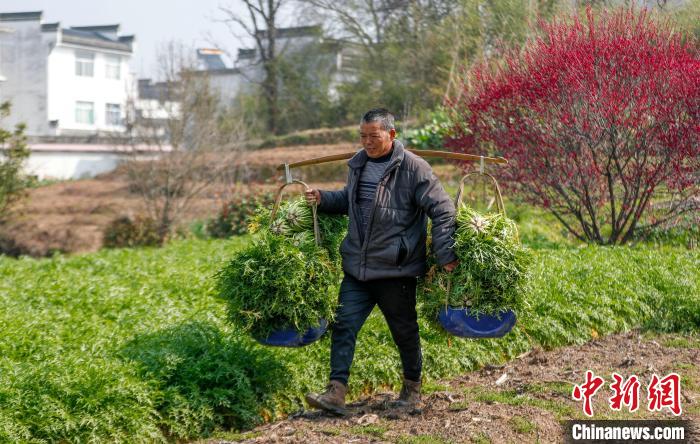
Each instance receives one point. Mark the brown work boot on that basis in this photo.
(332, 400)
(410, 395)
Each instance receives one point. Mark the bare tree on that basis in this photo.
(361, 21)
(261, 25)
(182, 141)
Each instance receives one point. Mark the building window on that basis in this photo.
(113, 67)
(85, 112)
(113, 114)
(84, 63)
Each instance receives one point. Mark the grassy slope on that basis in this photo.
(132, 345)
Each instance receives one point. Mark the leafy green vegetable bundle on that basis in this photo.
(283, 279)
(492, 272)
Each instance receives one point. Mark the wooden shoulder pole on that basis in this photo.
(422, 153)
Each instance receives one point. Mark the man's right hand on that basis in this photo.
(312, 196)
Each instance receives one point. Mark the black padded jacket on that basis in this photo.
(395, 241)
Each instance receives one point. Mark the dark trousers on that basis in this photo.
(396, 298)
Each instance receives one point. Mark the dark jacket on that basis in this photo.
(395, 241)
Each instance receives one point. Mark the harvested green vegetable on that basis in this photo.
(492, 272)
(283, 279)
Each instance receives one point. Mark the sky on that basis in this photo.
(153, 22)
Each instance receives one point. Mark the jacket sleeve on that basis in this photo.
(334, 202)
(434, 200)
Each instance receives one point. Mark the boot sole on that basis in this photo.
(313, 402)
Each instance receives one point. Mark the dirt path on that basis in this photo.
(520, 402)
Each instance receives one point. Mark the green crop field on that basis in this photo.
(133, 345)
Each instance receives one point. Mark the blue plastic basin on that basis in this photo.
(292, 338)
(460, 322)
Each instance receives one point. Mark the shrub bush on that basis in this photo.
(207, 378)
(233, 217)
(596, 117)
(124, 232)
(430, 136)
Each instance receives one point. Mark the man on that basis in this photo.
(389, 194)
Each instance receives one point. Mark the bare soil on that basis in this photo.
(523, 401)
(70, 216)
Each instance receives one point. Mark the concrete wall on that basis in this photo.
(227, 85)
(24, 51)
(57, 165)
(79, 161)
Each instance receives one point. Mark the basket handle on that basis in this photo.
(278, 200)
(499, 197)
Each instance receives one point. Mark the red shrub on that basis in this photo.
(595, 117)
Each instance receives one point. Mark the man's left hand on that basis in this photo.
(451, 266)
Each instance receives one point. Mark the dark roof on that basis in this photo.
(295, 31)
(95, 39)
(20, 16)
(50, 27)
(100, 36)
(246, 53)
(98, 28)
(216, 72)
(153, 90)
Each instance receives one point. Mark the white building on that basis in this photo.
(64, 81)
(336, 59)
(70, 86)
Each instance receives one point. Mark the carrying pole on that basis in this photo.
(421, 153)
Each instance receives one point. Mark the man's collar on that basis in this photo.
(360, 158)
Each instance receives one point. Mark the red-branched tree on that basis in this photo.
(598, 117)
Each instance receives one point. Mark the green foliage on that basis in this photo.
(522, 425)
(135, 346)
(234, 216)
(493, 269)
(430, 136)
(687, 17)
(301, 93)
(207, 379)
(55, 393)
(424, 49)
(683, 231)
(124, 232)
(13, 153)
(283, 279)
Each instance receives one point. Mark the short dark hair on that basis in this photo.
(381, 115)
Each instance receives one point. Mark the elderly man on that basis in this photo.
(389, 194)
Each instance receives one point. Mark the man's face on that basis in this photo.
(375, 140)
